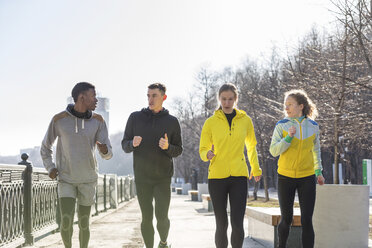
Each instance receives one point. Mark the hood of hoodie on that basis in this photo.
(86, 116)
(151, 114)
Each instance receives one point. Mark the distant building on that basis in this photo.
(29, 150)
(103, 106)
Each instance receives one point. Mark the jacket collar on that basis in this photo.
(220, 114)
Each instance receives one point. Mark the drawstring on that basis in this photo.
(76, 127)
(82, 125)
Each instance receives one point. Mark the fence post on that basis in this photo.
(113, 191)
(96, 203)
(132, 189)
(127, 188)
(27, 200)
(121, 189)
(104, 192)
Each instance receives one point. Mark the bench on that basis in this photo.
(185, 188)
(207, 202)
(194, 195)
(179, 191)
(203, 189)
(263, 226)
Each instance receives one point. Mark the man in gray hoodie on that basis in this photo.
(79, 132)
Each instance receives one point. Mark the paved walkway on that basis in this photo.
(115, 228)
(191, 227)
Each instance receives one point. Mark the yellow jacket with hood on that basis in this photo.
(228, 143)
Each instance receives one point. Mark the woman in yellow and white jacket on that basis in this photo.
(296, 141)
(222, 142)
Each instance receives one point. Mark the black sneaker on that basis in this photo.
(166, 245)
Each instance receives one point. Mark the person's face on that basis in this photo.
(155, 99)
(227, 99)
(292, 108)
(89, 99)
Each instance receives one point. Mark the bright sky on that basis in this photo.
(121, 46)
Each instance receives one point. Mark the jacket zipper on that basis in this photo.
(300, 149)
(229, 138)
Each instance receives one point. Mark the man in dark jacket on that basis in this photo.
(154, 137)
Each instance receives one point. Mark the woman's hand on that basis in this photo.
(210, 153)
(321, 180)
(292, 131)
(257, 178)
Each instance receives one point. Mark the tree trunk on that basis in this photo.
(335, 174)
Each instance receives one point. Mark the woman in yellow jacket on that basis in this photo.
(296, 141)
(222, 143)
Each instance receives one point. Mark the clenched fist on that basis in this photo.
(292, 131)
(210, 153)
(137, 141)
(102, 147)
(53, 173)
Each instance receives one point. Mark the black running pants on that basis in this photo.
(306, 195)
(161, 193)
(236, 189)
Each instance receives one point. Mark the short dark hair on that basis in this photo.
(159, 86)
(80, 88)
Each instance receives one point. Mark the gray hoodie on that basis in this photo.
(75, 156)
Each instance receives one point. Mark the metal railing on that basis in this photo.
(29, 201)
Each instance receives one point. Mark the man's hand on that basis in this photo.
(137, 141)
(321, 180)
(163, 142)
(53, 173)
(210, 153)
(102, 147)
(292, 131)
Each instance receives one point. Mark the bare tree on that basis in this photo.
(356, 16)
(330, 69)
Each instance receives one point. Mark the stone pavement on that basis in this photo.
(114, 228)
(191, 227)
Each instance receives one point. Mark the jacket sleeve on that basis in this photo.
(250, 143)
(46, 151)
(316, 152)
(206, 141)
(278, 144)
(103, 138)
(127, 142)
(175, 143)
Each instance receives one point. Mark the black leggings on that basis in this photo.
(67, 207)
(161, 192)
(236, 189)
(306, 194)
